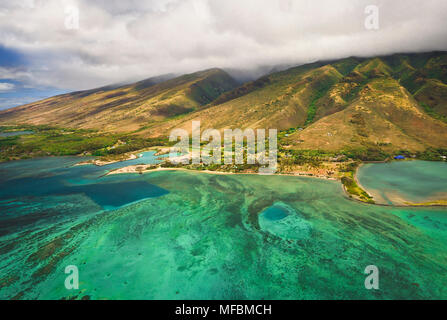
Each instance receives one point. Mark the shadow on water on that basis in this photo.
(108, 192)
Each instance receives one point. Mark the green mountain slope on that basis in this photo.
(127, 108)
(390, 103)
(281, 100)
(384, 116)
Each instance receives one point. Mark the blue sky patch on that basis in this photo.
(11, 58)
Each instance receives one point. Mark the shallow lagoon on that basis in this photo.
(405, 181)
(185, 235)
(148, 157)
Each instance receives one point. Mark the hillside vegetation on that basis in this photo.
(379, 105)
(395, 103)
(126, 108)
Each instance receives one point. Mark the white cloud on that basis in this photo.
(4, 86)
(129, 40)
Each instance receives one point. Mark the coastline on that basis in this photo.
(158, 168)
(132, 170)
(404, 204)
(101, 163)
(144, 168)
(357, 180)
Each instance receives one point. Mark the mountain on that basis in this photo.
(125, 108)
(280, 100)
(392, 103)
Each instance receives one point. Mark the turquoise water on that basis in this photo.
(285, 222)
(62, 179)
(143, 158)
(15, 133)
(276, 212)
(185, 235)
(405, 181)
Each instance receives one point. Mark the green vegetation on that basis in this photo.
(50, 141)
(354, 190)
(346, 66)
(347, 167)
(431, 112)
(351, 186)
(360, 108)
(322, 88)
(432, 154)
(209, 89)
(242, 90)
(367, 154)
(356, 83)
(314, 158)
(243, 168)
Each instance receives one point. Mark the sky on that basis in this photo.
(49, 47)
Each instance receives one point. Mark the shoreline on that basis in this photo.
(102, 163)
(406, 204)
(132, 170)
(143, 169)
(159, 151)
(357, 180)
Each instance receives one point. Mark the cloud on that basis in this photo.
(129, 40)
(6, 103)
(4, 86)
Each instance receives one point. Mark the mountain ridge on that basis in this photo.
(125, 108)
(390, 102)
